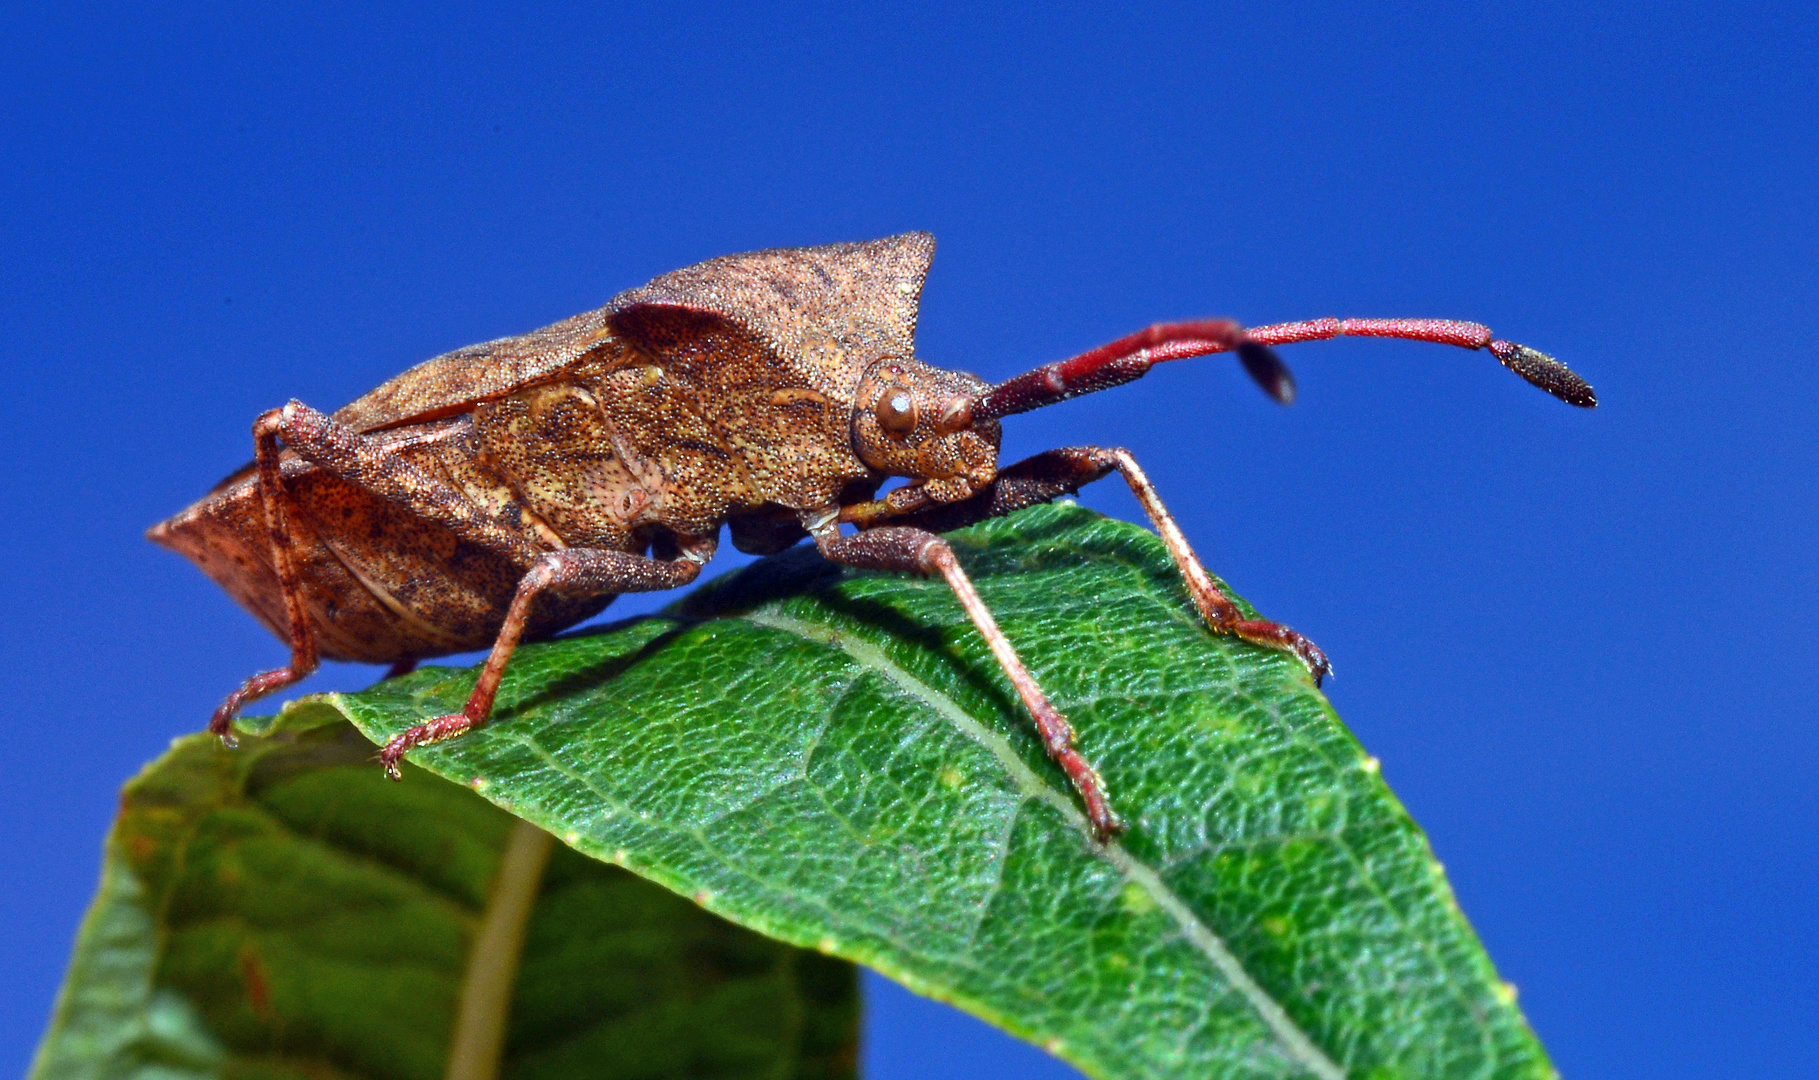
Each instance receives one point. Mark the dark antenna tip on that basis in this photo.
(1267, 369)
(1544, 371)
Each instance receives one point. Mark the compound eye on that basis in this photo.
(896, 411)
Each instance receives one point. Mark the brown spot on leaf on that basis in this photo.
(258, 987)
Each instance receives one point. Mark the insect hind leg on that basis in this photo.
(275, 505)
(357, 459)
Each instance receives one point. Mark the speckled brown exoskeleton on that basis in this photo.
(508, 490)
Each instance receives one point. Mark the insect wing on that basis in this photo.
(455, 381)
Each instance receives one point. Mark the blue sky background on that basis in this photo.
(1582, 644)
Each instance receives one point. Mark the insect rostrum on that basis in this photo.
(509, 490)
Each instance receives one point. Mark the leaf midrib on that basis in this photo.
(1294, 1041)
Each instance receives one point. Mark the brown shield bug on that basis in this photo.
(509, 490)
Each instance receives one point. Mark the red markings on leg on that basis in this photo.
(1220, 613)
(442, 727)
(1275, 635)
(586, 571)
(1057, 734)
(221, 724)
(273, 501)
(909, 550)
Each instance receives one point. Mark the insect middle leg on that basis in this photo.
(901, 549)
(1054, 473)
(572, 571)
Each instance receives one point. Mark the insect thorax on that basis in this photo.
(607, 458)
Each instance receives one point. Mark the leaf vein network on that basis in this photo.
(1294, 1041)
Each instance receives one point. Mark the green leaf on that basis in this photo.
(833, 759)
(282, 912)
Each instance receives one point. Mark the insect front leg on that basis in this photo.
(572, 571)
(1218, 609)
(901, 549)
(1054, 473)
(1040, 478)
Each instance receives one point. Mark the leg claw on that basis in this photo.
(221, 725)
(397, 745)
(1311, 655)
(1106, 827)
(1277, 636)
